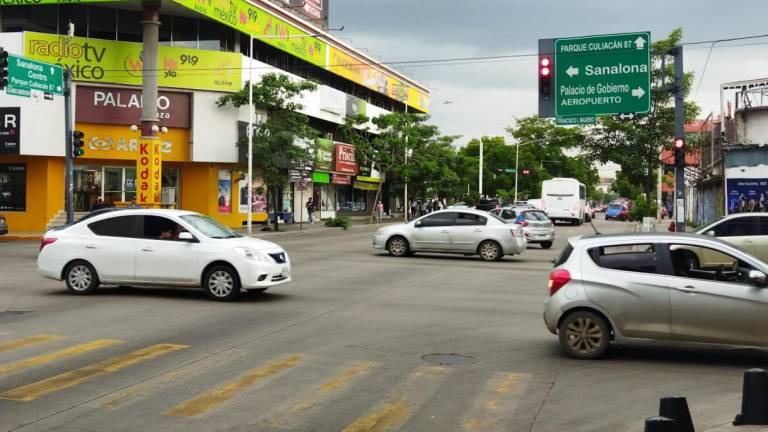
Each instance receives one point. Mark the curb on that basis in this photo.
(11, 237)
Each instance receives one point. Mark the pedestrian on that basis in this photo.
(310, 209)
(671, 227)
(414, 206)
(133, 204)
(380, 210)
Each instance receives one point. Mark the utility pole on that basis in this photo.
(480, 180)
(679, 204)
(68, 156)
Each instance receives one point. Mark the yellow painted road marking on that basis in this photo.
(322, 392)
(78, 376)
(72, 351)
(28, 341)
(212, 398)
(495, 404)
(399, 405)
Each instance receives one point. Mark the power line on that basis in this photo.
(704, 70)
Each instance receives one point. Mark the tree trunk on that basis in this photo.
(276, 203)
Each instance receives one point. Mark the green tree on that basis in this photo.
(281, 141)
(636, 144)
(624, 187)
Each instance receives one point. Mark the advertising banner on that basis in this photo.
(746, 195)
(252, 20)
(108, 61)
(10, 127)
(324, 155)
(345, 158)
(46, 2)
(341, 179)
(121, 106)
(225, 191)
(355, 106)
(13, 187)
(259, 203)
(118, 142)
(149, 166)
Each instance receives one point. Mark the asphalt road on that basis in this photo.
(339, 349)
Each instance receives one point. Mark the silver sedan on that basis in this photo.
(465, 231)
(537, 228)
(669, 287)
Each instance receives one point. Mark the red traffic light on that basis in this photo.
(545, 66)
(526, 171)
(679, 143)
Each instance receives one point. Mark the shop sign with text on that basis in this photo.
(252, 20)
(149, 166)
(110, 105)
(120, 143)
(10, 127)
(345, 158)
(341, 179)
(324, 155)
(107, 61)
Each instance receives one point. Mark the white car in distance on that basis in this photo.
(461, 231)
(147, 247)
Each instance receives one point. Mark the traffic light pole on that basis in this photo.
(679, 133)
(68, 156)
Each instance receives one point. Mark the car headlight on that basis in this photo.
(251, 254)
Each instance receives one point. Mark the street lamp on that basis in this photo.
(517, 158)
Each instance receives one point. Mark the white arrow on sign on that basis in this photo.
(638, 92)
(53, 70)
(571, 71)
(640, 42)
(626, 116)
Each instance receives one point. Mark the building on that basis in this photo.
(203, 54)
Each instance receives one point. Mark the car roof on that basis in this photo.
(661, 237)
(462, 210)
(740, 215)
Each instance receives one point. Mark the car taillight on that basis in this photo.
(558, 279)
(522, 223)
(46, 241)
(517, 233)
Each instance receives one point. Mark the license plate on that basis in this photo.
(285, 272)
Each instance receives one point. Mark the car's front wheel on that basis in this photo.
(81, 278)
(398, 246)
(221, 283)
(584, 335)
(489, 250)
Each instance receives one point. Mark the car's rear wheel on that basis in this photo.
(489, 250)
(584, 335)
(221, 283)
(81, 278)
(398, 246)
(546, 245)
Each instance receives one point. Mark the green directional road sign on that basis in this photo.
(599, 75)
(26, 75)
(575, 120)
(510, 170)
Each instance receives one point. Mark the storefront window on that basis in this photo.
(113, 185)
(13, 187)
(184, 32)
(87, 187)
(40, 19)
(214, 36)
(350, 199)
(76, 15)
(170, 187)
(128, 26)
(325, 194)
(130, 184)
(102, 23)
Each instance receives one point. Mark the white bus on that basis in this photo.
(565, 199)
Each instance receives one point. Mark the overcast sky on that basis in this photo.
(485, 98)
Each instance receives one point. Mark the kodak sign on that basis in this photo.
(149, 168)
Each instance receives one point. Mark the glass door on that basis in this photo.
(87, 186)
(113, 185)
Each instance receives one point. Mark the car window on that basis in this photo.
(469, 219)
(209, 227)
(738, 227)
(121, 226)
(160, 228)
(697, 262)
(508, 214)
(564, 255)
(438, 219)
(536, 216)
(762, 225)
(628, 257)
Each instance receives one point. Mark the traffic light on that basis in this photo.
(3, 68)
(545, 75)
(679, 147)
(78, 143)
(526, 172)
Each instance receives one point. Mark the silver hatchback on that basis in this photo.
(537, 228)
(661, 286)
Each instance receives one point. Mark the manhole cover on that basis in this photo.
(449, 359)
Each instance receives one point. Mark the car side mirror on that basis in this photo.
(187, 237)
(417, 224)
(710, 233)
(757, 278)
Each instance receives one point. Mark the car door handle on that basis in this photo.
(748, 241)
(91, 246)
(478, 230)
(444, 231)
(687, 289)
(147, 249)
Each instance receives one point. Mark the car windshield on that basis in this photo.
(707, 227)
(536, 216)
(495, 216)
(209, 227)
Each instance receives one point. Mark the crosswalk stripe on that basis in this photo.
(28, 341)
(495, 403)
(9, 368)
(324, 391)
(78, 376)
(210, 399)
(398, 406)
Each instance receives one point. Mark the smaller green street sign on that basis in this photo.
(603, 75)
(26, 75)
(510, 170)
(575, 120)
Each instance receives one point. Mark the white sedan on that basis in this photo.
(160, 248)
(462, 231)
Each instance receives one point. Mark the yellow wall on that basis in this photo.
(199, 193)
(45, 193)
